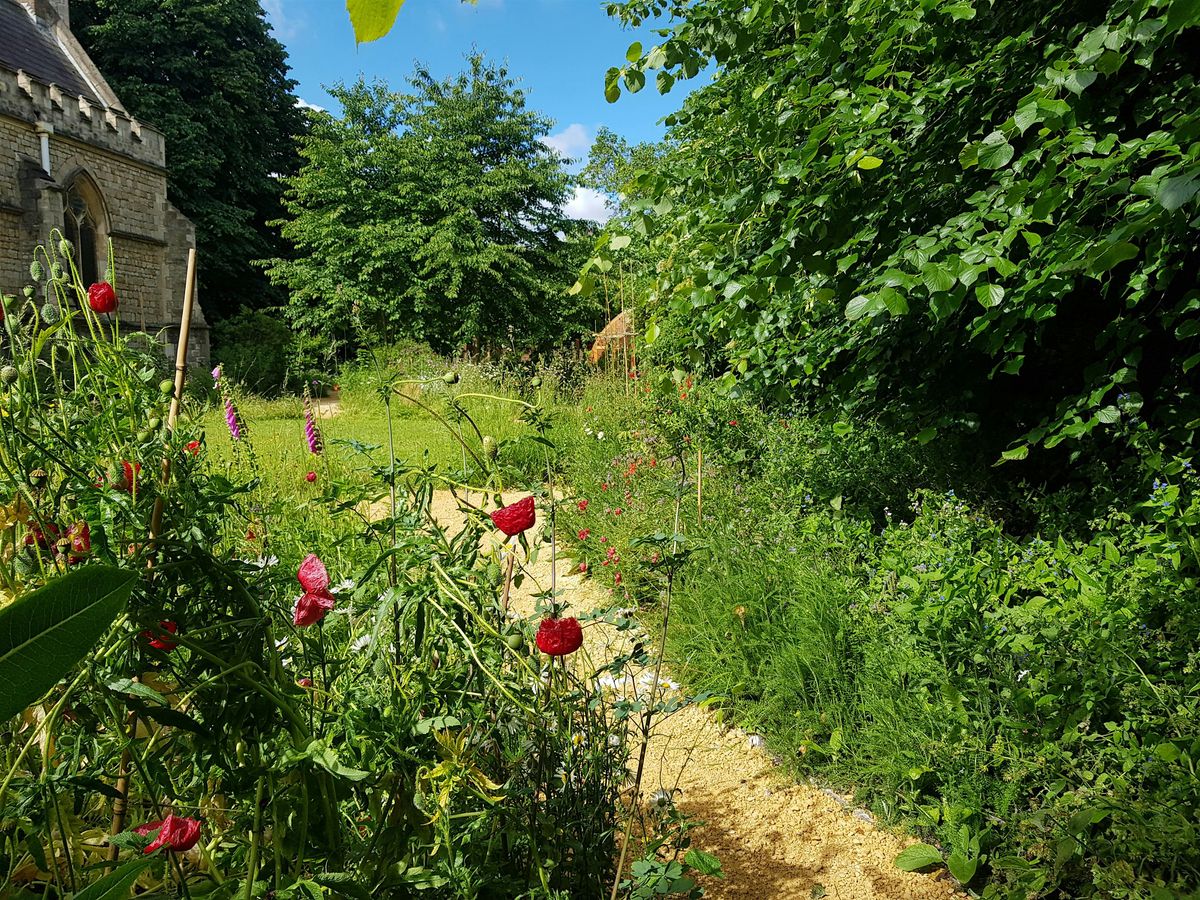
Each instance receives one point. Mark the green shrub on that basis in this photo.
(255, 348)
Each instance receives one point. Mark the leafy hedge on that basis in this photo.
(966, 216)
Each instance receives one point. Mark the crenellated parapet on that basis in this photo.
(78, 117)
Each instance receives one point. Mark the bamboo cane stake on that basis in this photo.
(121, 804)
(699, 484)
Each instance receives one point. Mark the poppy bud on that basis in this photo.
(51, 313)
(102, 298)
(450, 378)
(66, 248)
(558, 637)
(516, 517)
(490, 450)
(36, 272)
(310, 477)
(9, 375)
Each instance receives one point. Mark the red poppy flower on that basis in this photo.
(583, 533)
(617, 511)
(558, 637)
(515, 518)
(733, 422)
(102, 298)
(304, 682)
(583, 567)
(42, 537)
(159, 642)
(80, 536)
(177, 833)
(310, 477)
(317, 600)
(604, 486)
(617, 578)
(583, 505)
(193, 447)
(127, 483)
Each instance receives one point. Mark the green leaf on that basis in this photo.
(652, 333)
(372, 19)
(995, 152)
(1111, 255)
(861, 306)
(925, 435)
(612, 85)
(704, 863)
(1015, 454)
(634, 53)
(937, 278)
(918, 856)
(894, 301)
(989, 295)
(1174, 192)
(1109, 415)
(962, 866)
(48, 631)
(136, 689)
(116, 884)
(619, 242)
(870, 162)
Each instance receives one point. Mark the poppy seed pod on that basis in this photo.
(490, 450)
(450, 378)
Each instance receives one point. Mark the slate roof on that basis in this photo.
(23, 45)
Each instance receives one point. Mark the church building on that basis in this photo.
(72, 158)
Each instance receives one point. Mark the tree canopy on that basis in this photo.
(213, 79)
(434, 214)
(964, 216)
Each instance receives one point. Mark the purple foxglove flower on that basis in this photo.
(231, 418)
(312, 432)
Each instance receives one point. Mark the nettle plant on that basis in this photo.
(201, 692)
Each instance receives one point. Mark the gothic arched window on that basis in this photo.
(83, 225)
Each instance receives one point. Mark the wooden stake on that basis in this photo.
(181, 352)
(699, 482)
(121, 804)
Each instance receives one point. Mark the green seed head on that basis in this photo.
(535, 381)
(56, 272)
(38, 478)
(51, 313)
(490, 450)
(166, 386)
(36, 272)
(154, 423)
(28, 291)
(65, 248)
(450, 378)
(9, 375)
(143, 436)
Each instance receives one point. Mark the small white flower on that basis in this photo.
(756, 742)
(599, 435)
(346, 584)
(614, 740)
(661, 800)
(360, 643)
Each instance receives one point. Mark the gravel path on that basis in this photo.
(776, 838)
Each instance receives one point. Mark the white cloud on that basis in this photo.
(588, 204)
(572, 142)
(304, 104)
(285, 27)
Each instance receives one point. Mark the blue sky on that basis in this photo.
(559, 49)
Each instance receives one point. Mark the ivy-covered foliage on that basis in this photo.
(963, 215)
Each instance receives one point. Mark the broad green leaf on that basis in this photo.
(1015, 454)
(870, 162)
(962, 866)
(48, 631)
(937, 278)
(372, 19)
(994, 152)
(1110, 256)
(704, 863)
(925, 435)
(115, 885)
(989, 294)
(1109, 415)
(652, 334)
(634, 53)
(619, 241)
(894, 301)
(918, 856)
(860, 306)
(1174, 192)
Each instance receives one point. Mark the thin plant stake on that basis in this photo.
(185, 326)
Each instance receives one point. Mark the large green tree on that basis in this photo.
(209, 74)
(434, 214)
(967, 216)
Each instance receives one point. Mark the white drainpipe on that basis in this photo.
(44, 130)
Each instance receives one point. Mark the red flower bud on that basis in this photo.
(583, 533)
(583, 505)
(177, 833)
(193, 447)
(102, 298)
(515, 518)
(310, 477)
(159, 642)
(558, 637)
